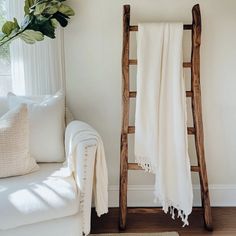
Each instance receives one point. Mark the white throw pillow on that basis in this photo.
(15, 158)
(47, 125)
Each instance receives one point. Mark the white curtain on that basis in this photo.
(36, 69)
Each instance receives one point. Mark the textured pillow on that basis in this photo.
(47, 125)
(14, 144)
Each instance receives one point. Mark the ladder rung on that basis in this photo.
(195, 169)
(144, 210)
(133, 94)
(153, 210)
(135, 27)
(135, 166)
(131, 130)
(187, 64)
(135, 62)
(191, 130)
(189, 94)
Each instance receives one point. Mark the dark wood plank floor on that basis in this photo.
(224, 222)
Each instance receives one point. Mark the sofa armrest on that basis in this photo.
(85, 154)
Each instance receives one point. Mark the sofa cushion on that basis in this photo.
(37, 197)
(66, 226)
(47, 126)
(4, 108)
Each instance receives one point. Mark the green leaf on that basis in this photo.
(39, 20)
(51, 9)
(37, 35)
(28, 5)
(47, 29)
(16, 23)
(54, 23)
(61, 18)
(66, 10)
(39, 9)
(31, 36)
(27, 39)
(8, 27)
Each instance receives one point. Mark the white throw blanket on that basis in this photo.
(72, 140)
(161, 145)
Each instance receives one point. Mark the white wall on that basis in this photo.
(93, 43)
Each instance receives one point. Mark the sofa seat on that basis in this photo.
(37, 197)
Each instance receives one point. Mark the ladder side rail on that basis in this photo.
(197, 114)
(125, 118)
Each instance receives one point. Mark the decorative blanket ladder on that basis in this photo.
(196, 130)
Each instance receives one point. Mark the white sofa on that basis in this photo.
(41, 203)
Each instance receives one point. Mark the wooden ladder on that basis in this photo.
(196, 130)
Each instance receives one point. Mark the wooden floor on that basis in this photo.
(224, 222)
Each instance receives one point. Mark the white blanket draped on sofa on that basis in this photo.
(161, 121)
(72, 139)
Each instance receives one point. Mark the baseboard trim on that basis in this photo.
(142, 195)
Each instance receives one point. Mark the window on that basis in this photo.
(5, 62)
